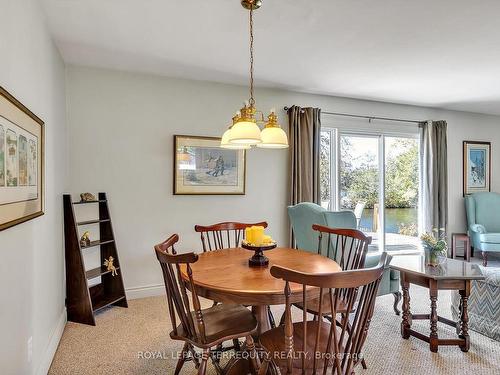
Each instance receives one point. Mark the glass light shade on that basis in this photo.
(246, 133)
(224, 143)
(273, 137)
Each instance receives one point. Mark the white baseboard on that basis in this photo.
(48, 356)
(145, 291)
(132, 293)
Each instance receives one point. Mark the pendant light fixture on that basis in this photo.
(224, 143)
(245, 131)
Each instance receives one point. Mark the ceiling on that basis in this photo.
(434, 53)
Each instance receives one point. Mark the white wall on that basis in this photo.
(31, 265)
(121, 135)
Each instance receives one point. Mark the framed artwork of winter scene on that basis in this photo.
(202, 167)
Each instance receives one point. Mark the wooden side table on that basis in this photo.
(460, 237)
(450, 275)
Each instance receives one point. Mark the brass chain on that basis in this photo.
(252, 100)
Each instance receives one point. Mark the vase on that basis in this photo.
(431, 256)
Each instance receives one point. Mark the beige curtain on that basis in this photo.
(304, 133)
(434, 175)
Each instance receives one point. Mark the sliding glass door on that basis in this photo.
(376, 175)
(359, 181)
(401, 164)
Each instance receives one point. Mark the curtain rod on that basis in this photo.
(366, 117)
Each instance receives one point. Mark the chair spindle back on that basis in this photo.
(327, 348)
(348, 247)
(177, 296)
(223, 235)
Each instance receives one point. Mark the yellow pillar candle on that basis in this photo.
(248, 235)
(257, 235)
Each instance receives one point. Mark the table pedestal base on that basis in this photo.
(243, 366)
(262, 315)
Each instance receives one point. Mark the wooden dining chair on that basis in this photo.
(318, 346)
(226, 235)
(223, 235)
(348, 247)
(199, 328)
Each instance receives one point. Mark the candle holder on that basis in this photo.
(258, 259)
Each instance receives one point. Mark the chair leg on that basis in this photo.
(282, 320)
(218, 350)
(182, 359)
(485, 259)
(236, 344)
(263, 368)
(214, 356)
(254, 358)
(203, 365)
(363, 364)
(397, 298)
(271, 317)
(194, 356)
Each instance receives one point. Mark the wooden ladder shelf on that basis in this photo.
(83, 301)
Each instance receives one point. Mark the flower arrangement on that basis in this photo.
(434, 245)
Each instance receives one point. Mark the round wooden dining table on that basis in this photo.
(225, 276)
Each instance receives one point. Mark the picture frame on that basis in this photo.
(22, 153)
(476, 167)
(202, 167)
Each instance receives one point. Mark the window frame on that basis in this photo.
(336, 132)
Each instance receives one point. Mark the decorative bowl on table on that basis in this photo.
(258, 259)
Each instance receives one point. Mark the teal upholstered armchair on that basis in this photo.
(304, 215)
(483, 222)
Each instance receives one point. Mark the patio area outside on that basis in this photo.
(401, 234)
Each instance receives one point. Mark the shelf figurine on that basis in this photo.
(87, 197)
(109, 263)
(85, 240)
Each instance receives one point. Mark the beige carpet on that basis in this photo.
(135, 341)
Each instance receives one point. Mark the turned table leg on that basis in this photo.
(458, 326)
(397, 298)
(406, 323)
(433, 338)
(464, 318)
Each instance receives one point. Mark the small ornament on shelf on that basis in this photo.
(85, 239)
(109, 263)
(87, 197)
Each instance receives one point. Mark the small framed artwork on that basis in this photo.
(21, 162)
(477, 167)
(202, 167)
